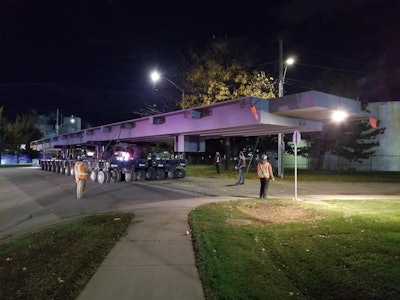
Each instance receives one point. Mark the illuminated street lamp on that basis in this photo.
(289, 62)
(70, 122)
(282, 76)
(155, 76)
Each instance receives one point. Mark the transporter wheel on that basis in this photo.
(103, 177)
(93, 175)
(115, 176)
(129, 176)
(180, 173)
(160, 174)
(140, 175)
(151, 174)
(171, 174)
(71, 171)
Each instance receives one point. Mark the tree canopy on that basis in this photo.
(224, 71)
(353, 141)
(15, 134)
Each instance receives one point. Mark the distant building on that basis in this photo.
(387, 155)
(69, 125)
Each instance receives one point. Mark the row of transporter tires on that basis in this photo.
(112, 175)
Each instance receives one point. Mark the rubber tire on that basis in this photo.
(115, 176)
(151, 174)
(160, 174)
(140, 175)
(103, 177)
(71, 171)
(93, 176)
(129, 176)
(180, 173)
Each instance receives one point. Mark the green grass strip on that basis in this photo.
(58, 261)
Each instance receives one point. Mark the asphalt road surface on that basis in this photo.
(31, 197)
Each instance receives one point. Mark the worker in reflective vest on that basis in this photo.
(265, 173)
(81, 174)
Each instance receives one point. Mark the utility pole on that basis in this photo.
(57, 122)
(280, 94)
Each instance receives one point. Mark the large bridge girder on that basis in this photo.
(189, 128)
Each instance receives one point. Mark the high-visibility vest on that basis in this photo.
(263, 170)
(79, 170)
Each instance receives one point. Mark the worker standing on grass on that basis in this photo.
(264, 171)
(81, 175)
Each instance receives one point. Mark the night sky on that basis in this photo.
(92, 58)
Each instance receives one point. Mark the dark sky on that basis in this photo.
(92, 58)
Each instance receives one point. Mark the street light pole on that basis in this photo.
(282, 75)
(72, 120)
(155, 76)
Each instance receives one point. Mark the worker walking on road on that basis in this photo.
(240, 167)
(217, 161)
(81, 175)
(265, 173)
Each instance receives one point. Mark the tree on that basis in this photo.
(353, 141)
(3, 132)
(224, 71)
(22, 132)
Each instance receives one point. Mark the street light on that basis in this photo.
(282, 76)
(155, 76)
(68, 120)
(289, 62)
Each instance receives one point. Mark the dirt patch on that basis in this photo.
(238, 222)
(280, 213)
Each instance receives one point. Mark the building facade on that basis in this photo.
(387, 155)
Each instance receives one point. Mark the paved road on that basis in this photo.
(30, 197)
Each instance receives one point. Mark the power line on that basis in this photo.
(325, 54)
(330, 68)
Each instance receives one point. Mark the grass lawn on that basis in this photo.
(58, 261)
(303, 175)
(280, 249)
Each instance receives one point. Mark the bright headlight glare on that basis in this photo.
(339, 115)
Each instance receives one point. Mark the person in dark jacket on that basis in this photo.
(240, 167)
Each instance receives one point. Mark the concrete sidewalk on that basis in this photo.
(155, 260)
